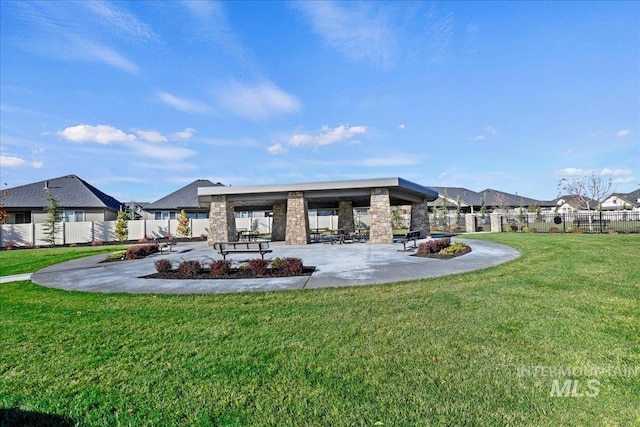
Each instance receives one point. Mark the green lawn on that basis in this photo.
(446, 351)
(19, 261)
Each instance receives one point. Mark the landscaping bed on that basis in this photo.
(442, 249)
(222, 269)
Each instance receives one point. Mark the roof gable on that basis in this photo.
(69, 192)
(184, 198)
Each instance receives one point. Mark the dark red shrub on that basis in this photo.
(433, 246)
(258, 267)
(220, 268)
(163, 266)
(140, 251)
(189, 268)
(292, 266)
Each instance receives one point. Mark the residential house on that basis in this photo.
(185, 198)
(622, 201)
(78, 201)
(469, 200)
(502, 201)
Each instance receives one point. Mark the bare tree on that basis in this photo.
(501, 202)
(589, 190)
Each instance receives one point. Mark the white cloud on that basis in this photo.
(257, 102)
(401, 126)
(101, 134)
(479, 138)
(120, 21)
(185, 134)
(183, 104)
(623, 133)
(492, 130)
(37, 165)
(356, 30)
(615, 172)
(626, 180)
(276, 149)
(573, 172)
(11, 162)
(327, 136)
(151, 136)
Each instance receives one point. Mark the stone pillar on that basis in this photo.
(380, 230)
(471, 223)
(496, 223)
(297, 232)
(222, 221)
(420, 218)
(345, 217)
(279, 225)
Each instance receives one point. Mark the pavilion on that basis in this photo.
(290, 204)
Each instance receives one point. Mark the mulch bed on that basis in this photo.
(233, 274)
(444, 256)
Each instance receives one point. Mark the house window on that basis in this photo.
(165, 215)
(73, 216)
(244, 214)
(197, 215)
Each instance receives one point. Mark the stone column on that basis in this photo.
(471, 223)
(420, 218)
(380, 230)
(496, 223)
(297, 232)
(345, 217)
(279, 225)
(222, 221)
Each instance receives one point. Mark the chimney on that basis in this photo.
(46, 185)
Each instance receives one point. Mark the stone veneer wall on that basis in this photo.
(380, 230)
(345, 216)
(496, 223)
(279, 225)
(222, 221)
(420, 218)
(297, 232)
(471, 223)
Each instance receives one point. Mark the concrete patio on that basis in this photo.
(336, 265)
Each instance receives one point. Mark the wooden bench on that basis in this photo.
(594, 222)
(411, 236)
(225, 248)
(164, 244)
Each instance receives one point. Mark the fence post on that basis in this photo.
(496, 223)
(471, 223)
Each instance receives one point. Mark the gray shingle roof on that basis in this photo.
(514, 200)
(465, 195)
(184, 198)
(69, 192)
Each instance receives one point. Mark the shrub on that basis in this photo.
(220, 267)
(292, 266)
(145, 239)
(278, 263)
(454, 249)
(141, 251)
(578, 230)
(258, 267)
(97, 243)
(529, 230)
(116, 255)
(554, 230)
(163, 266)
(189, 268)
(433, 246)
(10, 245)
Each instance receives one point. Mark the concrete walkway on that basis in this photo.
(15, 278)
(336, 265)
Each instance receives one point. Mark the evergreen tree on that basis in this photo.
(50, 226)
(122, 227)
(183, 224)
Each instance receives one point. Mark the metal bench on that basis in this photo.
(226, 248)
(411, 236)
(164, 243)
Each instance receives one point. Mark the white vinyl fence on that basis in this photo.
(87, 232)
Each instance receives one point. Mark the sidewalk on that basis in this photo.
(15, 278)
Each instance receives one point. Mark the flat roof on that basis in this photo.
(324, 194)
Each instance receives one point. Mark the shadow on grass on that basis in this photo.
(18, 417)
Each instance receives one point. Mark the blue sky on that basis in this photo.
(141, 98)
